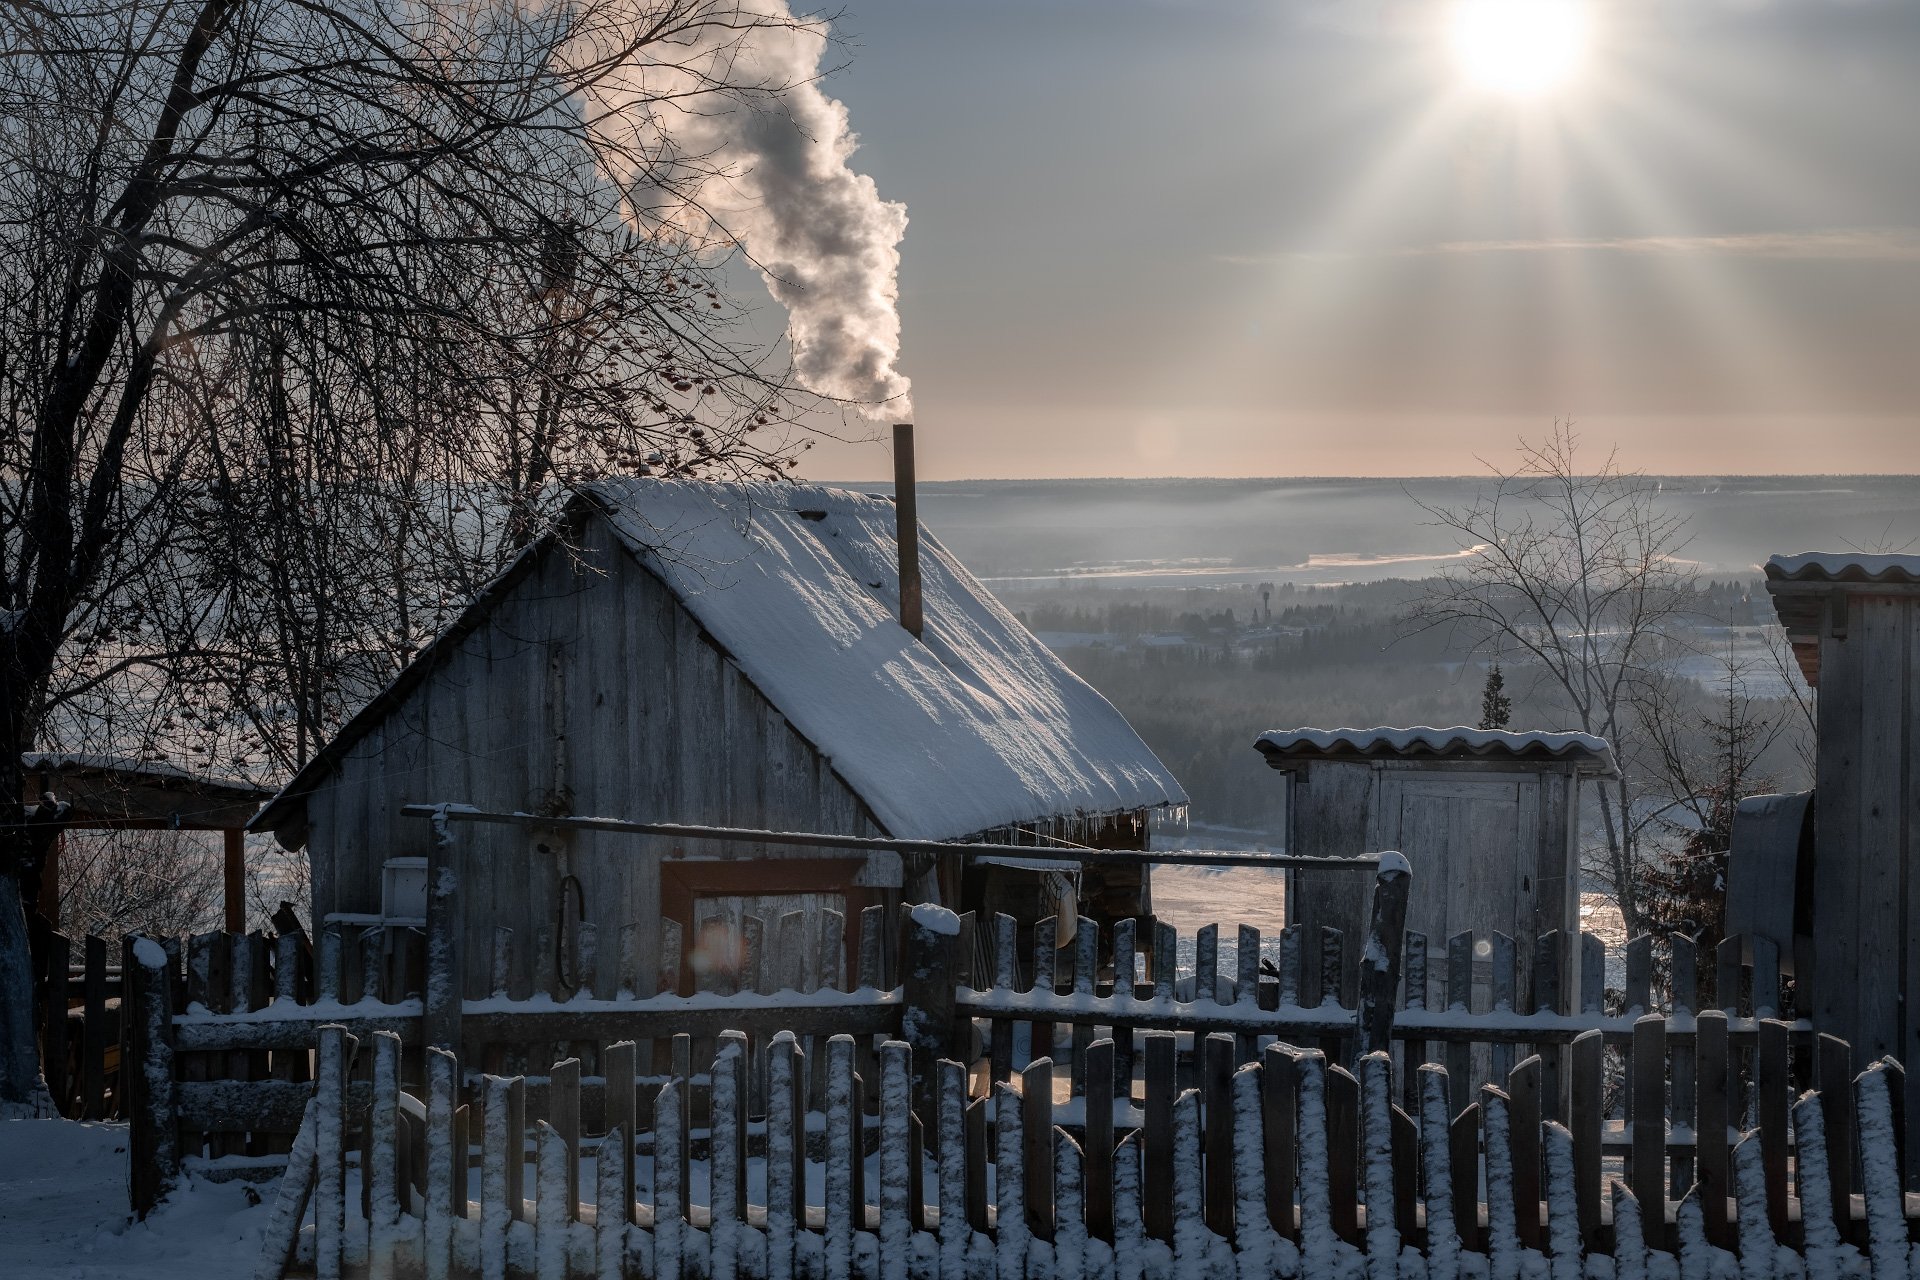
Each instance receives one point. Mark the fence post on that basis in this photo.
(445, 983)
(53, 1020)
(1380, 963)
(926, 1018)
(153, 1146)
(332, 1060)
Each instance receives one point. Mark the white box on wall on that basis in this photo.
(403, 891)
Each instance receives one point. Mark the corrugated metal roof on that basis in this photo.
(1802, 586)
(1592, 755)
(1849, 566)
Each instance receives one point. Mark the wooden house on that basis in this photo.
(726, 655)
(1488, 819)
(1854, 624)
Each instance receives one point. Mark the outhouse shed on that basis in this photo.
(1488, 819)
(1854, 624)
(722, 655)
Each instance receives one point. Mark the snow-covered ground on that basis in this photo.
(63, 1213)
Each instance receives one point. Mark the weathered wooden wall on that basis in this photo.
(1866, 897)
(588, 689)
(1492, 846)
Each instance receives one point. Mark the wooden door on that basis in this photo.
(1474, 845)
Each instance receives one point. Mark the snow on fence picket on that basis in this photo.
(1287, 1166)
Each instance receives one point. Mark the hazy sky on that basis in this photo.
(1215, 237)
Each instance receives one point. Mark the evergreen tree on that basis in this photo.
(1496, 708)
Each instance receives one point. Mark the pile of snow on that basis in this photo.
(63, 1212)
(975, 726)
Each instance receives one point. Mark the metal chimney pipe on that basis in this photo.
(906, 518)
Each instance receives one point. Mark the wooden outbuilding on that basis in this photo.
(120, 793)
(1854, 624)
(1488, 819)
(723, 655)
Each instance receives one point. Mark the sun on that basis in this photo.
(1521, 48)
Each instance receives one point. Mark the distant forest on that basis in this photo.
(1202, 672)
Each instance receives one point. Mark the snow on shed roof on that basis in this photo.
(1590, 753)
(1848, 566)
(120, 789)
(1801, 586)
(975, 726)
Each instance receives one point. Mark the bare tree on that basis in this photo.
(309, 311)
(160, 883)
(1705, 754)
(1577, 571)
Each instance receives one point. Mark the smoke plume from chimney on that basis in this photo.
(778, 182)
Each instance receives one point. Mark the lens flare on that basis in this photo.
(1522, 48)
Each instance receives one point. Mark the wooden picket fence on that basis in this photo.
(1284, 1166)
(77, 1003)
(242, 1012)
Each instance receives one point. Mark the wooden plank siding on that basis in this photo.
(1494, 841)
(588, 689)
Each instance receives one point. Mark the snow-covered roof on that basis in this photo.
(112, 789)
(972, 727)
(133, 766)
(1802, 584)
(1847, 566)
(1590, 753)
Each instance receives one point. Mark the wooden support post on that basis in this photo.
(927, 1017)
(153, 1143)
(446, 1156)
(53, 1028)
(1380, 962)
(233, 867)
(93, 1033)
(49, 904)
(446, 984)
